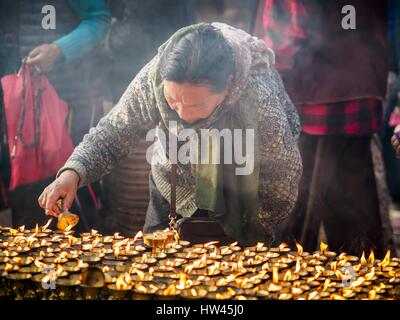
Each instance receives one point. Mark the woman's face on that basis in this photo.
(192, 102)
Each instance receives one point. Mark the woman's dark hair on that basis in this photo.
(202, 56)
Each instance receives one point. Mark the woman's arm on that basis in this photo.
(95, 19)
(115, 135)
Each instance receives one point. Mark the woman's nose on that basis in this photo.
(180, 113)
(178, 107)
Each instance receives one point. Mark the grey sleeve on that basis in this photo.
(115, 135)
(288, 106)
(280, 164)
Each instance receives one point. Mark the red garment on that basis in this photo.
(288, 27)
(356, 117)
(329, 62)
(282, 25)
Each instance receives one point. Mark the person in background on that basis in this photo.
(393, 108)
(67, 55)
(392, 118)
(337, 80)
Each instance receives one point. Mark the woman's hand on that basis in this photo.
(396, 141)
(44, 56)
(65, 187)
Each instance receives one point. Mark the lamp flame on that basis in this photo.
(323, 247)
(371, 295)
(138, 236)
(287, 276)
(299, 249)
(259, 246)
(47, 224)
(298, 267)
(371, 257)
(39, 264)
(171, 290)
(68, 229)
(386, 260)
(282, 246)
(320, 269)
(182, 281)
(363, 261)
(140, 274)
(141, 288)
(210, 243)
(123, 281)
(326, 284)
(275, 276)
